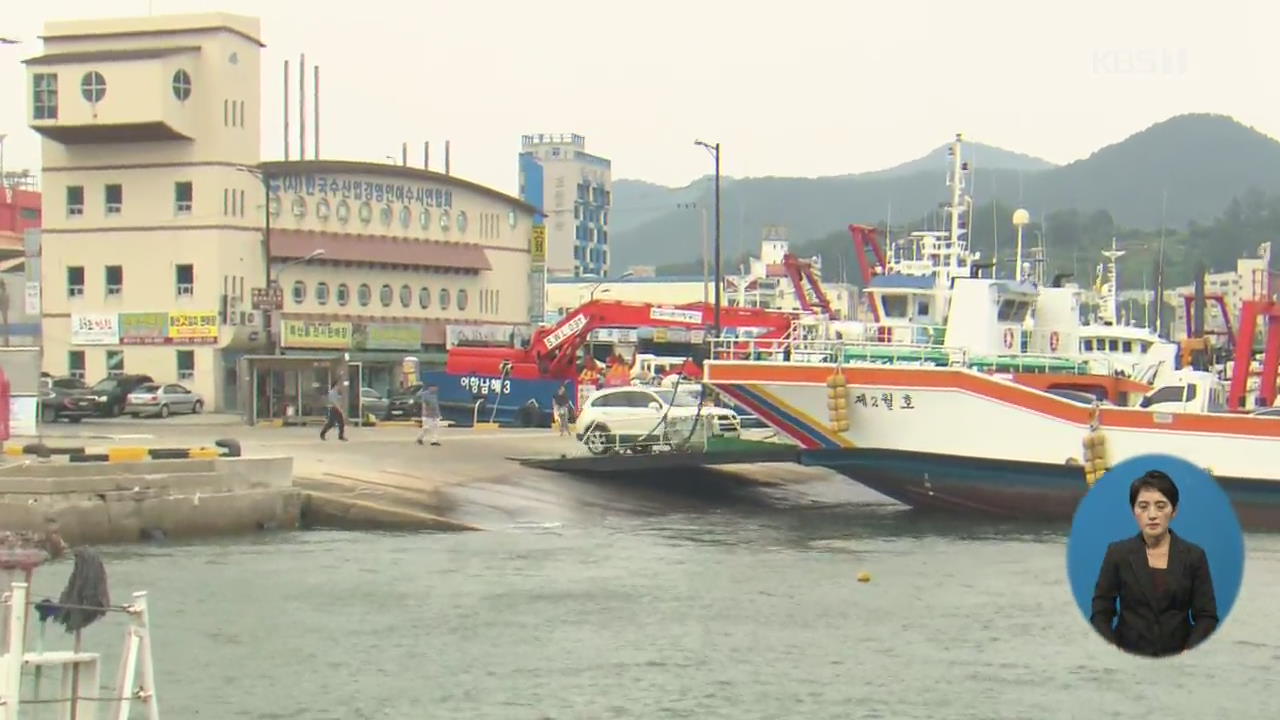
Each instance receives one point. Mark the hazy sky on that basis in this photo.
(805, 87)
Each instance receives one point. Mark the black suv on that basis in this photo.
(404, 404)
(109, 393)
(65, 397)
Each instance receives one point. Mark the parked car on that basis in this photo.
(372, 403)
(161, 400)
(65, 397)
(110, 393)
(404, 405)
(622, 416)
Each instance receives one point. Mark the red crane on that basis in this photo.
(1261, 306)
(807, 285)
(864, 238)
(553, 351)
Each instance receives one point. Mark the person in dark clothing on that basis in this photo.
(1162, 581)
(562, 404)
(335, 416)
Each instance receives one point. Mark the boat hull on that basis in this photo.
(950, 438)
(1008, 489)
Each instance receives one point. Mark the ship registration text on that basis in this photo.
(484, 385)
(885, 400)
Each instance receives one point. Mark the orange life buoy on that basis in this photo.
(1008, 338)
(1053, 341)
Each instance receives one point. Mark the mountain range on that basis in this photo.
(1184, 169)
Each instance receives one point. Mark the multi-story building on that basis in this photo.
(401, 259)
(572, 190)
(148, 220)
(157, 232)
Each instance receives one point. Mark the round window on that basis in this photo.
(299, 292)
(299, 206)
(364, 295)
(462, 299)
(273, 205)
(511, 218)
(424, 219)
(322, 293)
(366, 212)
(444, 298)
(385, 295)
(424, 298)
(462, 221)
(322, 208)
(343, 294)
(343, 211)
(406, 216)
(385, 214)
(406, 295)
(93, 86)
(181, 85)
(444, 220)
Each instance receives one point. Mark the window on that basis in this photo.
(406, 216)
(185, 277)
(75, 281)
(182, 197)
(406, 296)
(385, 214)
(462, 299)
(234, 120)
(44, 100)
(75, 364)
(343, 211)
(114, 197)
(115, 280)
(186, 365)
(241, 206)
(343, 294)
(497, 301)
(322, 293)
(444, 220)
(462, 221)
(115, 363)
(93, 86)
(226, 201)
(424, 219)
(364, 295)
(385, 295)
(181, 85)
(322, 208)
(226, 110)
(424, 297)
(299, 292)
(75, 200)
(241, 113)
(444, 298)
(511, 218)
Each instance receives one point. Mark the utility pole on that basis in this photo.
(715, 153)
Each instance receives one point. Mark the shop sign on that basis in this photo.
(193, 327)
(302, 334)
(144, 328)
(389, 336)
(94, 329)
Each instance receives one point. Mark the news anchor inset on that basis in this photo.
(1153, 591)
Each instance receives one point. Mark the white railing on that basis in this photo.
(684, 434)
(832, 352)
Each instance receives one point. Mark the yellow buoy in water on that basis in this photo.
(864, 576)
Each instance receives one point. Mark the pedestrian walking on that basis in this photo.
(336, 417)
(429, 398)
(562, 404)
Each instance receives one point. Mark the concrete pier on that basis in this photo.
(131, 501)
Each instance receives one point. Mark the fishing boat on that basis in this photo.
(964, 428)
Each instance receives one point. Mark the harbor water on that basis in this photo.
(701, 610)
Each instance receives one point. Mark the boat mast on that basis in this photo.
(1110, 305)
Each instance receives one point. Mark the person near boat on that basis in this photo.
(1162, 581)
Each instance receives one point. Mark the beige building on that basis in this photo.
(403, 260)
(154, 239)
(148, 222)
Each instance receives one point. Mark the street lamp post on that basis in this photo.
(715, 153)
(592, 294)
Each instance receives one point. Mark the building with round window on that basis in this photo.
(381, 260)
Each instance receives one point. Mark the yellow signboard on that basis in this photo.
(193, 327)
(538, 244)
(301, 334)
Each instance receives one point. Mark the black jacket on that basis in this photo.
(1149, 623)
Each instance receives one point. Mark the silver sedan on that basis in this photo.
(161, 400)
